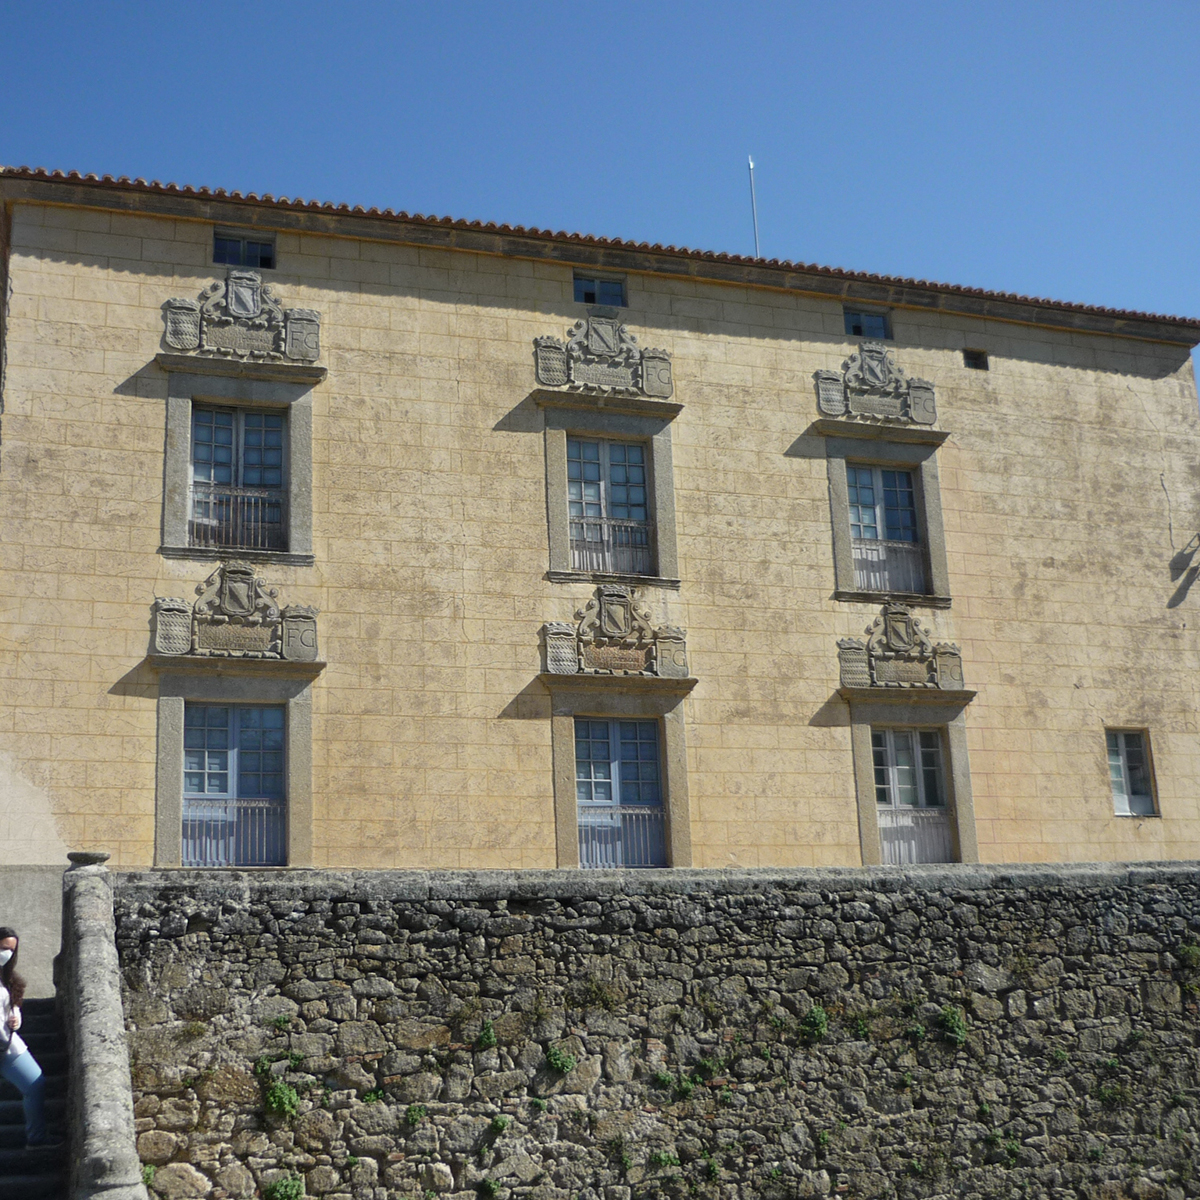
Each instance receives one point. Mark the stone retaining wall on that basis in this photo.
(942, 1031)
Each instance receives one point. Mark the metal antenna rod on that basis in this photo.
(754, 206)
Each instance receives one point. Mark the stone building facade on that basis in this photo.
(359, 539)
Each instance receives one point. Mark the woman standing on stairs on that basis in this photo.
(17, 1065)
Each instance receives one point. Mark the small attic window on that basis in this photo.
(975, 360)
(866, 324)
(234, 249)
(607, 292)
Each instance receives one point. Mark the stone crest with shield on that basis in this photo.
(871, 385)
(241, 317)
(898, 652)
(614, 634)
(601, 355)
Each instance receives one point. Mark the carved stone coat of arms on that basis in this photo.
(899, 653)
(240, 317)
(615, 635)
(601, 355)
(871, 385)
(235, 616)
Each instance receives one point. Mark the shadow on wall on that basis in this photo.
(1185, 571)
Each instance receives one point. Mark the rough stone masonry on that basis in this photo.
(965, 1031)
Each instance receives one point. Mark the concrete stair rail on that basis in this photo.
(104, 1159)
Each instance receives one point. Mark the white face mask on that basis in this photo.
(5, 955)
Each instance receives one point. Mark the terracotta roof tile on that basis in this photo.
(266, 199)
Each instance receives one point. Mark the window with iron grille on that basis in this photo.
(883, 530)
(1129, 772)
(609, 293)
(618, 789)
(234, 786)
(239, 494)
(608, 507)
(866, 324)
(236, 249)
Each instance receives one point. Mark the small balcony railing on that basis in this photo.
(881, 566)
(234, 833)
(622, 835)
(238, 518)
(606, 544)
(915, 835)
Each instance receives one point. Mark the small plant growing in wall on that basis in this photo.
(499, 1125)
(1189, 956)
(374, 1096)
(487, 1037)
(414, 1114)
(560, 1060)
(815, 1024)
(280, 1023)
(148, 1172)
(954, 1025)
(282, 1100)
(489, 1187)
(663, 1158)
(289, 1188)
(538, 1104)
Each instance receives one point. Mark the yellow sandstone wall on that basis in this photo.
(1069, 485)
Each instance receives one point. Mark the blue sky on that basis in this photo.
(1041, 148)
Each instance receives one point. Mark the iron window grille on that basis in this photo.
(888, 556)
(234, 790)
(608, 507)
(1129, 772)
(618, 790)
(239, 495)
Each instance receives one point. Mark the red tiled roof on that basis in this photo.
(123, 182)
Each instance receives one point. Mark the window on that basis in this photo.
(975, 360)
(883, 530)
(607, 501)
(234, 798)
(239, 498)
(1129, 771)
(618, 790)
(910, 791)
(609, 293)
(243, 250)
(866, 324)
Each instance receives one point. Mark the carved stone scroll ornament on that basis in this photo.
(871, 385)
(898, 653)
(235, 616)
(240, 317)
(601, 355)
(614, 635)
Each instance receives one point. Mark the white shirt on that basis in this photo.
(16, 1046)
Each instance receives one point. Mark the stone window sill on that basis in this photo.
(912, 599)
(215, 554)
(607, 577)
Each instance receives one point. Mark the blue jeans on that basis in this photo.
(26, 1076)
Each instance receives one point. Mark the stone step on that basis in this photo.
(56, 1085)
(34, 1187)
(12, 1113)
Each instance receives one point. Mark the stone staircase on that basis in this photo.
(39, 1174)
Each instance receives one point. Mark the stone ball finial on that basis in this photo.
(89, 858)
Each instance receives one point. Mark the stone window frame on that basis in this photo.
(242, 385)
(893, 448)
(209, 683)
(910, 709)
(609, 697)
(608, 418)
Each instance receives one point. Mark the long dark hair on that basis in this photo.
(8, 973)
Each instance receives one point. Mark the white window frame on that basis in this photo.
(892, 784)
(601, 819)
(601, 549)
(897, 565)
(1130, 804)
